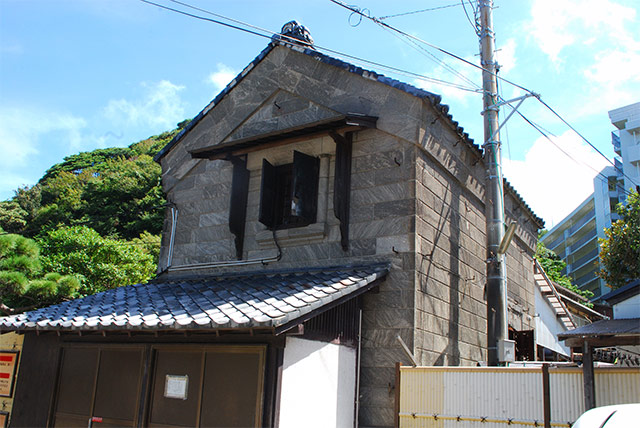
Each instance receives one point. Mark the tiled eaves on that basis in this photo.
(434, 99)
(263, 300)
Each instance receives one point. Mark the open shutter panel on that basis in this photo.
(342, 184)
(267, 195)
(238, 208)
(304, 200)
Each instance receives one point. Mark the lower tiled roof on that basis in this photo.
(214, 302)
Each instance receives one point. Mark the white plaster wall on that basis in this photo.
(318, 385)
(629, 308)
(548, 326)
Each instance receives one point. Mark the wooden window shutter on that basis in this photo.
(267, 195)
(238, 206)
(304, 198)
(342, 184)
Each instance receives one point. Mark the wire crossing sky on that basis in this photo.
(76, 75)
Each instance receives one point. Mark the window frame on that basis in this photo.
(293, 185)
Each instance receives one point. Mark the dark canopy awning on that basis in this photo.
(602, 333)
(348, 122)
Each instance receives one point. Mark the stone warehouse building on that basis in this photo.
(318, 211)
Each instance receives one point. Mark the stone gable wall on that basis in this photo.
(416, 201)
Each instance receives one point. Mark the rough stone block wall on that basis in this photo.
(451, 250)
(416, 201)
(451, 322)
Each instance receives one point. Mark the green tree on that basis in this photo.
(101, 263)
(13, 218)
(23, 285)
(553, 266)
(149, 244)
(620, 249)
(125, 197)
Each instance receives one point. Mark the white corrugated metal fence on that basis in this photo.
(490, 397)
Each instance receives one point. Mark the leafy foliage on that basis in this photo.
(553, 266)
(23, 285)
(101, 263)
(115, 191)
(620, 250)
(12, 217)
(96, 216)
(149, 244)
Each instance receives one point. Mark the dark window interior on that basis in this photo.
(289, 193)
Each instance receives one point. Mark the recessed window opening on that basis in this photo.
(289, 192)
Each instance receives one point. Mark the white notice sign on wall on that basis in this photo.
(176, 386)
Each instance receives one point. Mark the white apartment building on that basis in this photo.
(575, 238)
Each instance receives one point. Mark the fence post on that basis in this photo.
(396, 407)
(588, 376)
(546, 395)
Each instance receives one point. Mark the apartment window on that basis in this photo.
(289, 193)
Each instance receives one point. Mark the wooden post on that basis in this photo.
(546, 395)
(588, 377)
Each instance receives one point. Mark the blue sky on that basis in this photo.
(76, 75)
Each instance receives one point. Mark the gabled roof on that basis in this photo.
(270, 301)
(434, 99)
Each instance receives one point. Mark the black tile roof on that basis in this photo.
(215, 302)
(615, 327)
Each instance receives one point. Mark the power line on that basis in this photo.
(394, 69)
(437, 60)
(544, 134)
(584, 139)
(419, 11)
(378, 21)
(287, 38)
(475, 26)
(208, 12)
(205, 19)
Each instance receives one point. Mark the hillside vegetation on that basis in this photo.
(91, 223)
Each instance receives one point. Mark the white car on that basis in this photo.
(616, 416)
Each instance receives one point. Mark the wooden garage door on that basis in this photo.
(218, 386)
(100, 382)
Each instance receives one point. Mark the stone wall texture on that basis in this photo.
(416, 201)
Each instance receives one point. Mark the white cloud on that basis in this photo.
(21, 132)
(26, 137)
(557, 24)
(611, 78)
(506, 56)
(32, 140)
(222, 77)
(552, 183)
(160, 107)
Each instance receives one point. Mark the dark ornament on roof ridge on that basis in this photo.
(295, 33)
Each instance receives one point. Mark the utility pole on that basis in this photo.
(497, 333)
